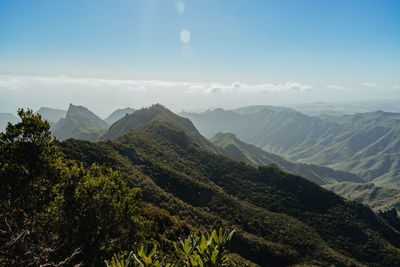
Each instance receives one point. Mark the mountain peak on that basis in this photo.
(150, 114)
(80, 123)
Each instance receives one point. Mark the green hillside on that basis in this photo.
(231, 146)
(366, 144)
(79, 123)
(146, 115)
(118, 114)
(283, 219)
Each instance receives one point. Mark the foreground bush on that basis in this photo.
(196, 250)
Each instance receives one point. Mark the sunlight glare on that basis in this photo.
(185, 36)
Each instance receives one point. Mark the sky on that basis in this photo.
(196, 54)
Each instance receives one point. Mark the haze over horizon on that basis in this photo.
(190, 55)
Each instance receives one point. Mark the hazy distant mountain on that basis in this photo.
(258, 108)
(230, 145)
(51, 114)
(80, 123)
(118, 114)
(284, 219)
(366, 144)
(5, 118)
(376, 197)
(324, 108)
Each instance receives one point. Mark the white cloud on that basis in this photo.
(396, 86)
(241, 88)
(10, 82)
(17, 82)
(336, 87)
(370, 84)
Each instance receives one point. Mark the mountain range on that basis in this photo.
(231, 146)
(80, 123)
(365, 144)
(282, 219)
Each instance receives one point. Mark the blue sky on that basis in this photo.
(350, 47)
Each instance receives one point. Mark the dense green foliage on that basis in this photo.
(366, 144)
(54, 211)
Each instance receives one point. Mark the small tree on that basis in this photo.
(54, 212)
(29, 167)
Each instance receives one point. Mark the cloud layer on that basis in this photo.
(19, 82)
(104, 95)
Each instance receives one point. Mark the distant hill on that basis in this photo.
(118, 114)
(366, 144)
(324, 108)
(282, 219)
(80, 123)
(51, 115)
(257, 108)
(145, 115)
(378, 198)
(230, 145)
(5, 118)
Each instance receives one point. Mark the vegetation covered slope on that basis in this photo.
(366, 144)
(118, 114)
(80, 123)
(145, 115)
(230, 145)
(283, 219)
(378, 198)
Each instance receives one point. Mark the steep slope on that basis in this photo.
(230, 145)
(145, 115)
(5, 118)
(283, 219)
(118, 114)
(52, 115)
(378, 198)
(365, 144)
(80, 123)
